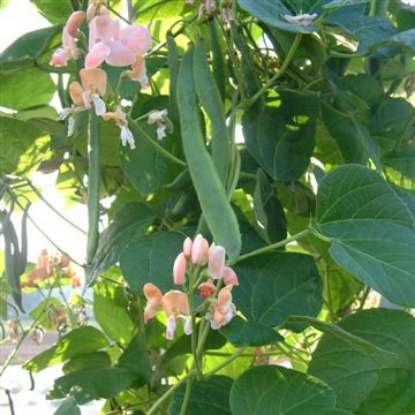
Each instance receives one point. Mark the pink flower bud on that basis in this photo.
(216, 265)
(229, 277)
(74, 23)
(200, 250)
(187, 247)
(179, 269)
(206, 289)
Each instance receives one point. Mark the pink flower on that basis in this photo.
(222, 310)
(107, 42)
(179, 269)
(207, 289)
(139, 72)
(200, 250)
(229, 277)
(175, 305)
(68, 50)
(187, 247)
(216, 265)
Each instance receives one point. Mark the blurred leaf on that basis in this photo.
(281, 137)
(277, 285)
(275, 390)
(365, 383)
(19, 92)
(402, 160)
(241, 333)
(111, 312)
(208, 397)
(94, 360)
(150, 258)
(85, 339)
(68, 407)
(54, 11)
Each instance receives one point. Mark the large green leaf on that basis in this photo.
(150, 258)
(353, 193)
(268, 211)
(68, 407)
(54, 11)
(272, 12)
(277, 285)
(209, 188)
(368, 384)
(402, 160)
(207, 398)
(26, 49)
(133, 219)
(243, 333)
(405, 39)
(381, 255)
(18, 90)
(21, 145)
(111, 312)
(281, 137)
(280, 391)
(80, 341)
(145, 168)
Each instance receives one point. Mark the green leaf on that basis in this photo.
(111, 312)
(24, 146)
(352, 193)
(144, 167)
(336, 4)
(80, 341)
(281, 137)
(243, 333)
(369, 384)
(279, 391)
(68, 407)
(26, 49)
(402, 160)
(207, 397)
(94, 360)
(89, 384)
(137, 360)
(277, 285)
(209, 188)
(381, 255)
(405, 39)
(272, 12)
(133, 219)
(54, 11)
(351, 135)
(18, 91)
(150, 258)
(41, 313)
(352, 340)
(268, 211)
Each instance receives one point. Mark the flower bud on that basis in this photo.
(187, 247)
(206, 289)
(74, 23)
(179, 269)
(200, 250)
(216, 265)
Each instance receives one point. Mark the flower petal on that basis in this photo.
(175, 302)
(94, 80)
(136, 38)
(120, 55)
(96, 55)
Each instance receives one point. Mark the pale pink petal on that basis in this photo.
(101, 29)
(187, 324)
(175, 302)
(99, 105)
(74, 23)
(127, 137)
(187, 247)
(229, 277)
(68, 43)
(59, 58)
(179, 269)
(94, 80)
(136, 38)
(120, 55)
(97, 54)
(200, 250)
(216, 264)
(170, 327)
(75, 92)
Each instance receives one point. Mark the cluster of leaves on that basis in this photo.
(326, 160)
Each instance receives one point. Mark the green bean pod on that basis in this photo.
(209, 96)
(93, 184)
(218, 58)
(210, 190)
(173, 62)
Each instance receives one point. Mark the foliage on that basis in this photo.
(259, 159)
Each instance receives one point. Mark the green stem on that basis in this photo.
(290, 55)
(170, 391)
(186, 398)
(52, 69)
(140, 133)
(52, 208)
(225, 363)
(276, 245)
(93, 184)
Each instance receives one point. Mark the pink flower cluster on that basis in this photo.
(199, 265)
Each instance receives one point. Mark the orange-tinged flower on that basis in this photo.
(119, 117)
(175, 305)
(207, 289)
(222, 309)
(139, 72)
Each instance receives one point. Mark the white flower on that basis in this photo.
(127, 137)
(163, 123)
(301, 19)
(119, 117)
